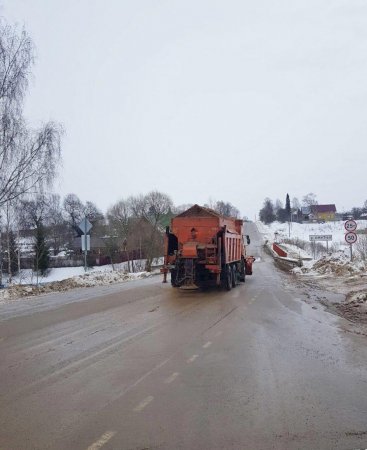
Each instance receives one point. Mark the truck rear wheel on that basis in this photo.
(242, 276)
(234, 276)
(228, 279)
(173, 278)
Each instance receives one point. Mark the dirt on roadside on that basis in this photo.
(355, 306)
(19, 291)
(339, 285)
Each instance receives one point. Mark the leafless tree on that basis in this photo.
(181, 208)
(119, 216)
(277, 206)
(223, 208)
(226, 209)
(120, 220)
(92, 213)
(361, 246)
(152, 208)
(309, 199)
(8, 223)
(34, 211)
(74, 211)
(33, 214)
(211, 203)
(56, 224)
(295, 203)
(28, 158)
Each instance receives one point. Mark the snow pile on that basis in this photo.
(339, 264)
(91, 279)
(27, 276)
(336, 264)
(103, 278)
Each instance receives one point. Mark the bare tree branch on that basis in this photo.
(29, 159)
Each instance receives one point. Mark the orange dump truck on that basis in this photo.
(203, 248)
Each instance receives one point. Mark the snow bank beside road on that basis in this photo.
(91, 279)
(337, 263)
(27, 276)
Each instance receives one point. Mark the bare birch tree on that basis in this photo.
(28, 158)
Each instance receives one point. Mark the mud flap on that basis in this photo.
(248, 265)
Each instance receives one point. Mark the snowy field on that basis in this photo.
(62, 273)
(322, 261)
(302, 231)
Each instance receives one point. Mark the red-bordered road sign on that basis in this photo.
(350, 225)
(351, 238)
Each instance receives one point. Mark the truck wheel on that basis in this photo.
(242, 271)
(173, 278)
(234, 276)
(228, 279)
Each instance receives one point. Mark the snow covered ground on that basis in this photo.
(295, 239)
(302, 231)
(27, 276)
(66, 278)
(334, 270)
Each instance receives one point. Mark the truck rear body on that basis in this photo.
(203, 248)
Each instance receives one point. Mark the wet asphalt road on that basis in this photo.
(144, 366)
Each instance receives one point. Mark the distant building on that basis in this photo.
(305, 213)
(324, 213)
(318, 213)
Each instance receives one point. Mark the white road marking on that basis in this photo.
(102, 440)
(192, 359)
(143, 378)
(143, 403)
(171, 378)
(208, 344)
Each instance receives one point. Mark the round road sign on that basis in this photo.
(350, 225)
(350, 237)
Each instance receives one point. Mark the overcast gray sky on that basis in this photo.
(229, 100)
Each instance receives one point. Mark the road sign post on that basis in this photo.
(85, 226)
(350, 235)
(320, 237)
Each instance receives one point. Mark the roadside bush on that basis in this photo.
(361, 246)
(296, 241)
